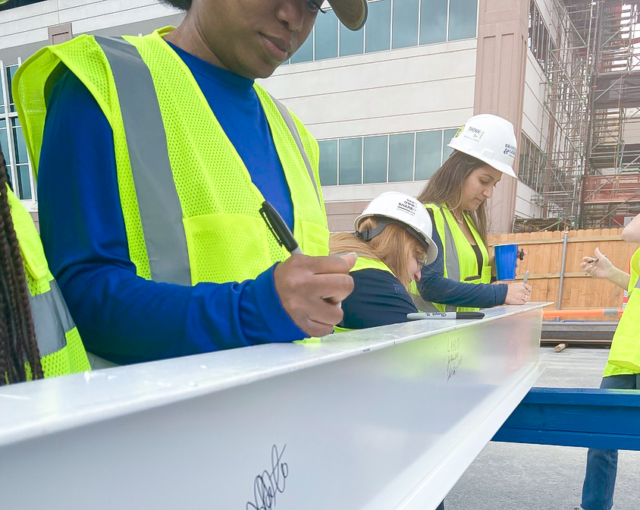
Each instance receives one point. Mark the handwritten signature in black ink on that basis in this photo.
(454, 357)
(267, 485)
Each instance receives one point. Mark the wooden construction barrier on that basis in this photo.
(544, 262)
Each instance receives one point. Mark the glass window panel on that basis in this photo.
(375, 159)
(328, 162)
(351, 43)
(433, 21)
(1, 96)
(11, 72)
(428, 154)
(19, 145)
(463, 19)
(378, 27)
(351, 161)
(401, 157)
(305, 52)
(405, 23)
(24, 183)
(326, 35)
(4, 143)
(448, 136)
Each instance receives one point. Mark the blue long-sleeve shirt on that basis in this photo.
(435, 288)
(378, 299)
(120, 316)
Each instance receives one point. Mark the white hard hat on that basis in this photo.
(488, 138)
(405, 210)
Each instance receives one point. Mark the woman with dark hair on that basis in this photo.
(37, 337)
(484, 150)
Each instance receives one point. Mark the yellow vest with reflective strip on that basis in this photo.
(624, 356)
(460, 261)
(59, 344)
(365, 263)
(190, 209)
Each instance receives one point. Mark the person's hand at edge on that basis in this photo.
(312, 288)
(518, 294)
(599, 266)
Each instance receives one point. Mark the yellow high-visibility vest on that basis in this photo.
(460, 261)
(61, 350)
(624, 356)
(191, 211)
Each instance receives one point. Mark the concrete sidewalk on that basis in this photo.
(537, 477)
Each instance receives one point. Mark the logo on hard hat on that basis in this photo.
(510, 150)
(474, 133)
(408, 206)
(459, 131)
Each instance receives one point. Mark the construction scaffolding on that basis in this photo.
(591, 175)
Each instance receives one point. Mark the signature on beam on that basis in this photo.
(454, 357)
(268, 484)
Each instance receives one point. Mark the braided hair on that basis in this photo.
(17, 334)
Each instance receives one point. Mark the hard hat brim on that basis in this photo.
(351, 13)
(501, 167)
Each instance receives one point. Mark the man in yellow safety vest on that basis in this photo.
(162, 149)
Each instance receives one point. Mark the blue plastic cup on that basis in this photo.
(506, 256)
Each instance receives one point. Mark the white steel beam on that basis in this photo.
(380, 419)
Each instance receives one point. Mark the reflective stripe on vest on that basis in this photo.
(51, 320)
(288, 119)
(160, 209)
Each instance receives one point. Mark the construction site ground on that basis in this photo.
(536, 477)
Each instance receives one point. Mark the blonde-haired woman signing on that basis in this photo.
(393, 241)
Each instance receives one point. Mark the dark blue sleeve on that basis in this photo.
(435, 288)
(121, 316)
(378, 299)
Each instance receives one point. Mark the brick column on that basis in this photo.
(500, 78)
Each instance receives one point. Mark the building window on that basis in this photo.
(532, 164)
(391, 24)
(12, 139)
(12, 4)
(399, 157)
(405, 23)
(463, 19)
(350, 161)
(428, 154)
(376, 158)
(540, 41)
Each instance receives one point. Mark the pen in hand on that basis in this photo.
(279, 228)
(283, 234)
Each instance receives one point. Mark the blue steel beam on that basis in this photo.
(607, 419)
